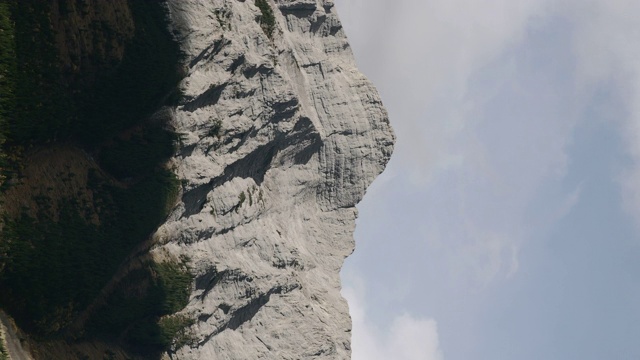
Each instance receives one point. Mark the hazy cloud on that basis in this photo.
(606, 43)
(568, 203)
(407, 338)
(422, 60)
(480, 126)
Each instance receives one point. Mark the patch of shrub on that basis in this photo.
(267, 20)
(241, 199)
(3, 352)
(142, 315)
(216, 128)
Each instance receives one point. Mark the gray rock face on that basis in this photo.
(279, 140)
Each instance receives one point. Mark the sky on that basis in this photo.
(507, 223)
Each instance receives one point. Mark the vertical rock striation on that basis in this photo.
(280, 137)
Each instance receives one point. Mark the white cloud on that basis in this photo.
(407, 338)
(422, 55)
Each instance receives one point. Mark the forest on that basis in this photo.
(58, 253)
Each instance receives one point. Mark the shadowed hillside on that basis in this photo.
(85, 134)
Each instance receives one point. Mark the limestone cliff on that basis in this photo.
(280, 137)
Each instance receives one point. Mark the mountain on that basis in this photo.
(194, 196)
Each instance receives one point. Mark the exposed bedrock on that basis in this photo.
(280, 137)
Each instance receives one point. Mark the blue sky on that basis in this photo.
(506, 225)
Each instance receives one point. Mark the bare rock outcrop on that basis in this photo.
(280, 137)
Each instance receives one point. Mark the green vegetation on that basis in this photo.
(3, 352)
(174, 331)
(267, 20)
(42, 109)
(57, 266)
(43, 279)
(216, 128)
(140, 309)
(55, 262)
(7, 82)
(223, 18)
(146, 78)
(51, 106)
(241, 199)
(139, 154)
